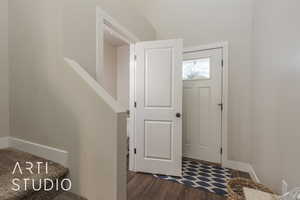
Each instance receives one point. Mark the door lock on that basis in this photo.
(178, 115)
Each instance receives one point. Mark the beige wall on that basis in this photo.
(123, 54)
(4, 70)
(275, 92)
(115, 79)
(109, 76)
(79, 19)
(50, 104)
(47, 110)
(210, 21)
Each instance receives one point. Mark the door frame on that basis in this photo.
(103, 21)
(225, 63)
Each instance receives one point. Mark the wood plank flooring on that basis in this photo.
(146, 187)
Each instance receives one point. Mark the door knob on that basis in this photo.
(178, 115)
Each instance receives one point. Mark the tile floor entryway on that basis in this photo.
(202, 176)
(146, 187)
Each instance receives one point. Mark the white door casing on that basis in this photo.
(158, 100)
(202, 114)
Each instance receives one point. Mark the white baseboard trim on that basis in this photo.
(241, 166)
(61, 156)
(49, 153)
(4, 142)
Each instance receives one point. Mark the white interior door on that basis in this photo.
(202, 97)
(159, 107)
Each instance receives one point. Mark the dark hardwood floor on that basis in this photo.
(146, 187)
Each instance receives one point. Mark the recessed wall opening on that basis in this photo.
(115, 71)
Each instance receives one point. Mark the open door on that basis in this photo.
(159, 107)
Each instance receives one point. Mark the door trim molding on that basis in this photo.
(132, 99)
(104, 19)
(225, 53)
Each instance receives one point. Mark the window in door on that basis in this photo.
(196, 69)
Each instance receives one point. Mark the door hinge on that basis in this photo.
(128, 113)
(135, 57)
(222, 63)
(135, 104)
(134, 150)
(221, 151)
(221, 106)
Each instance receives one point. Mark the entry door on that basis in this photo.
(159, 107)
(202, 98)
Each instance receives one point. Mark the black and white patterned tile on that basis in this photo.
(202, 176)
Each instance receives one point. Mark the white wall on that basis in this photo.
(79, 19)
(123, 54)
(50, 105)
(115, 78)
(4, 70)
(109, 73)
(209, 21)
(276, 92)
